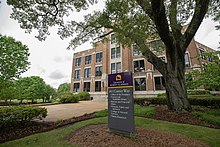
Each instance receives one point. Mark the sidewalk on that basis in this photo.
(65, 111)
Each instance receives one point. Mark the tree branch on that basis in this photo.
(175, 27)
(201, 9)
(161, 22)
(151, 57)
(145, 5)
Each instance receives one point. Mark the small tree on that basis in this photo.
(13, 58)
(209, 76)
(8, 91)
(31, 88)
(49, 92)
(65, 87)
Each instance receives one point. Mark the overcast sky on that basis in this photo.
(50, 59)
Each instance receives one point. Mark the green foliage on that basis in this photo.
(65, 87)
(198, 92)
(190, 93)
(161, 95)
(83, 95)
(14, 114)
(48, 93)
(209, 76)
(207, 101)
(132, 21)
(8, 90)
(31, 88)
(67, 97)
(13, 58)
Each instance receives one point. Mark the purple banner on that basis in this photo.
(120, 79)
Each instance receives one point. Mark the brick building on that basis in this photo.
(91, 67)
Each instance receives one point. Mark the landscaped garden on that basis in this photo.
(202, 125)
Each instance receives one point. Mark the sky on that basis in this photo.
(50, 59)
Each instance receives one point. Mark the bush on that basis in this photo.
(83, 95)
(190, 92)
(68, 97)
(14, 114)
(161, 95)
(204, 101)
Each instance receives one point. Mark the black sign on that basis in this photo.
(121, 103)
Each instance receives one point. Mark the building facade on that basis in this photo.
(90, 68)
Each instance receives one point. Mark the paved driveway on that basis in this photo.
(65, 111)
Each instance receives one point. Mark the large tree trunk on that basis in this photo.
(174, 76)
(176, 93)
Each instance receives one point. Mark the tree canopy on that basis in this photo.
(13, 58)
(132, 21)
(65, 87)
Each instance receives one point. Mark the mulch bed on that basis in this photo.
(163, 113)
(99, 136)
(26, 129)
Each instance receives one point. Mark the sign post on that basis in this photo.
(121, 103)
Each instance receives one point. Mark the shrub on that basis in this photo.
(13, 114)
(198, 92)
(203, 101)
(67, 97)
(83, 95)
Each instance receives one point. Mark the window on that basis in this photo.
(87, 72)
(99, 57)
(159, 83)
(136, 51)
(140, 84)
(113, 68)
(115, 52)
(202, 53)
(116, 67)
(113, 39)
(112, 53)
(88, 59)
(86, 86)
(78, 61)
(139, 66)
(187, 62)
(77, 74)
(76, 87)
(97, 86)
(98, 71)
(118, 52)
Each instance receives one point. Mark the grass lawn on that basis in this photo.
(58, 137)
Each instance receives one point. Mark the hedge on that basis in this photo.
(190, 92)
(204, 101)
(14, 114)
